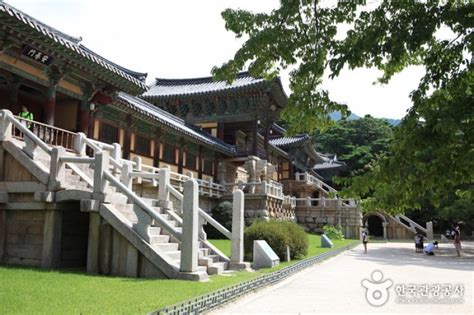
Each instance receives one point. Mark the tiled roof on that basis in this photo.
(71, 43)
(329, 165)
(285, 142)
(181, 88)
(143, 107)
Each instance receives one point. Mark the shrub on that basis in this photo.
(333, 232)
(222, 213)
(278, 234)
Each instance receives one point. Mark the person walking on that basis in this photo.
(457, 241)
(418, 243)
(365, 239)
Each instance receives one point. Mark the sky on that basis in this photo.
(186, 38)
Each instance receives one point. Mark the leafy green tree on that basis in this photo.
(432, 151)
(356, 142)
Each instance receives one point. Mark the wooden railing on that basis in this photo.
(50, 135)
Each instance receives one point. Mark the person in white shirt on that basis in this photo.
(429, 248)
(365, 239)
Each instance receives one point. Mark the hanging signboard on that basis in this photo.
(36, 55)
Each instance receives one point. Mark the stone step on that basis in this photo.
(115, 198)
(203, 252)
(75, 184)
(167, 247)
(175, 255)
(217, 268)
(155, 230)
(158, 239)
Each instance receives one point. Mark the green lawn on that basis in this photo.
(36, 291)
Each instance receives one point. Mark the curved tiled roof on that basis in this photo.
(285, 142)
(173, 122)
(71, 43)
(181, 88)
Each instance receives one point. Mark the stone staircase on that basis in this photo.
(209, 261)
(103, 186)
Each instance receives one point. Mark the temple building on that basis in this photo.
(103, 175)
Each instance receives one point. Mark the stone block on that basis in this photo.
(326, 242)
(263, 255)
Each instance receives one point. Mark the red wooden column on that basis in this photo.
(181, 156)
(255, 137)
(220, 130)
(85, 109)
(156, 152)
(200, 162)
(54, 75)
(13, 87)
(127, 141)
(265, 142)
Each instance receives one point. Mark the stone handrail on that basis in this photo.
(326, 202)
(8, 120)
(306, 177)
(289, 200)
(272, 188)
(139, 202)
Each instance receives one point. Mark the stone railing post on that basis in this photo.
(308, 201)
(56, 169)
(117, 155)
(101, 164)
(30, 147)
(163, 192)
(297, 175)
(125, 177)
(323, 202)
(138, 167)
(237, 255)
(80, 144)
(189, 238)
(5, 125)
(264, 187)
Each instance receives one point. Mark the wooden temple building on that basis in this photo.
(98, 179)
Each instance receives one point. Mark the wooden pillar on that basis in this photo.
(85, 108)
(265, 143)
(51, 254)
(220, 130)
(181, 156)
(156, 153)
(14, 87)
(200, 163)
(127, 141)
(50, 110)
(255, 137)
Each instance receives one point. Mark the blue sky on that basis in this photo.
(186, 38)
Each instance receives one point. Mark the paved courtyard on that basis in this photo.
(335, 286)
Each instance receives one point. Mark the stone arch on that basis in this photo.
(377, 223)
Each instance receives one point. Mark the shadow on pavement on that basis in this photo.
(400, 254)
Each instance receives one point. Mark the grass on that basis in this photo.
(37, 291)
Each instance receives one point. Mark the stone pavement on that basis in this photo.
(335, 286)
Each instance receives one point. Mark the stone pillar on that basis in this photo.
(238, 223)
(163, 193)
(56, 169)
(54, 75)
(101, 164)
(429, 230)
(189, 236)
(93, 243)
(384, 225)
(51, 254)
(5, 125)
(80, 144)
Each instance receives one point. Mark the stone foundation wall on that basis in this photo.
(22, 239)
(314, 219)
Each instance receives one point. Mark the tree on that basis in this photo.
(432, 151)
(356, 142)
